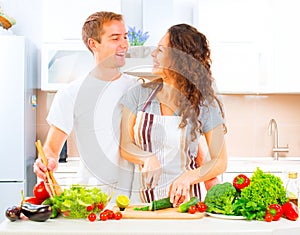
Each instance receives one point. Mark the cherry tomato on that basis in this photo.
(268, 217)
(34, 200)
(103, 216)
(110, 214)
(40, 191)
(118, 215)
(90, 207)
(100, 206)
(201, 207)
(92, 217)
(192, 209)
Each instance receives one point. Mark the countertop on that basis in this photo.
(206, 225)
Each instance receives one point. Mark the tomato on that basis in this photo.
(268, 217)
(92, 217)
(34, 200)
(201, 206)
(40, 191)
(110, 214)
(118, 215)
(90, 207)
(100, 206)
(192, 209)
(103, 216)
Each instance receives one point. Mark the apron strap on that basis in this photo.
(152, 95)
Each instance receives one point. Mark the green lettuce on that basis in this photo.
(73, 202)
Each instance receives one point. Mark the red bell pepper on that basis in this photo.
(276, 211)
(241, 181)
(290, 211)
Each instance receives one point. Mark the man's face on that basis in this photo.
(112, 49)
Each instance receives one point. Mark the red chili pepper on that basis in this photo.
(290, 211)
(276, 211)
(241, 181)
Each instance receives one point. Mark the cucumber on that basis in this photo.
(184, 207)
(161, 204)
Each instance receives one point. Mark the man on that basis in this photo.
(90, 106)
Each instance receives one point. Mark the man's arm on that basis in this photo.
(52, 148)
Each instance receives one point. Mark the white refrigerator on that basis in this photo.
(17, 119)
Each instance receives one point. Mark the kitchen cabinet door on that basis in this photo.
(239, 34)
(286, 46)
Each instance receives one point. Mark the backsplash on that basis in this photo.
(247, 120)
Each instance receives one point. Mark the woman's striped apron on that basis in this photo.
(161, 135)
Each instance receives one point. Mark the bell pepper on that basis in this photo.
(275, 210)
(241, 181)
(290, 211)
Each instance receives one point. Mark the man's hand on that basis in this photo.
(40, 169)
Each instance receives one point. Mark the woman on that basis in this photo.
(163, 120)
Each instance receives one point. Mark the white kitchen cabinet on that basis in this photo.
(65, 61)
(63, 20)
(239, 34)
(67, 170)
(286, 46)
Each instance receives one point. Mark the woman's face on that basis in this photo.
(160, 56)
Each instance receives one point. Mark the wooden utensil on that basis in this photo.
(54, 187)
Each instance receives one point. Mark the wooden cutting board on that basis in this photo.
(169, 213)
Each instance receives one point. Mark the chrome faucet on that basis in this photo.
(276, 148)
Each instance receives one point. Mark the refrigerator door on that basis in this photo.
(10, 196)
(12, 108)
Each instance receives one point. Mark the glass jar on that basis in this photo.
(292, 191)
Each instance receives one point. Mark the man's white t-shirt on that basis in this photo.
(91, 108)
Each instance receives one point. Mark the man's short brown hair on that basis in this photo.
(93, 26)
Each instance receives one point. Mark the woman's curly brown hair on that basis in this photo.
(189, 66)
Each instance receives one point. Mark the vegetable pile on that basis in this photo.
(262, 197)
(31, 207)
(79, 201)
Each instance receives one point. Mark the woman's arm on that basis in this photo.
(179, 189)
(150, 164)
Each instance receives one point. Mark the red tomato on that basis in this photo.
(110, 214)
(118, 215)
(90, 207)
(103, 216)
(201, 207)
(40, 191)
(192, 209)
(268, 217)
(33, 200)
(100, 206)
(92, 217)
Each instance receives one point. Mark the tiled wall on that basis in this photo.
(247, 118)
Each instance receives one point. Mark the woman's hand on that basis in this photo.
(180, 188)
(151, 171)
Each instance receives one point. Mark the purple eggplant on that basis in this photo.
(39, 213)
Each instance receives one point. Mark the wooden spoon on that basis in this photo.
(54, 187)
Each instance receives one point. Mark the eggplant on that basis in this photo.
(39, 213)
